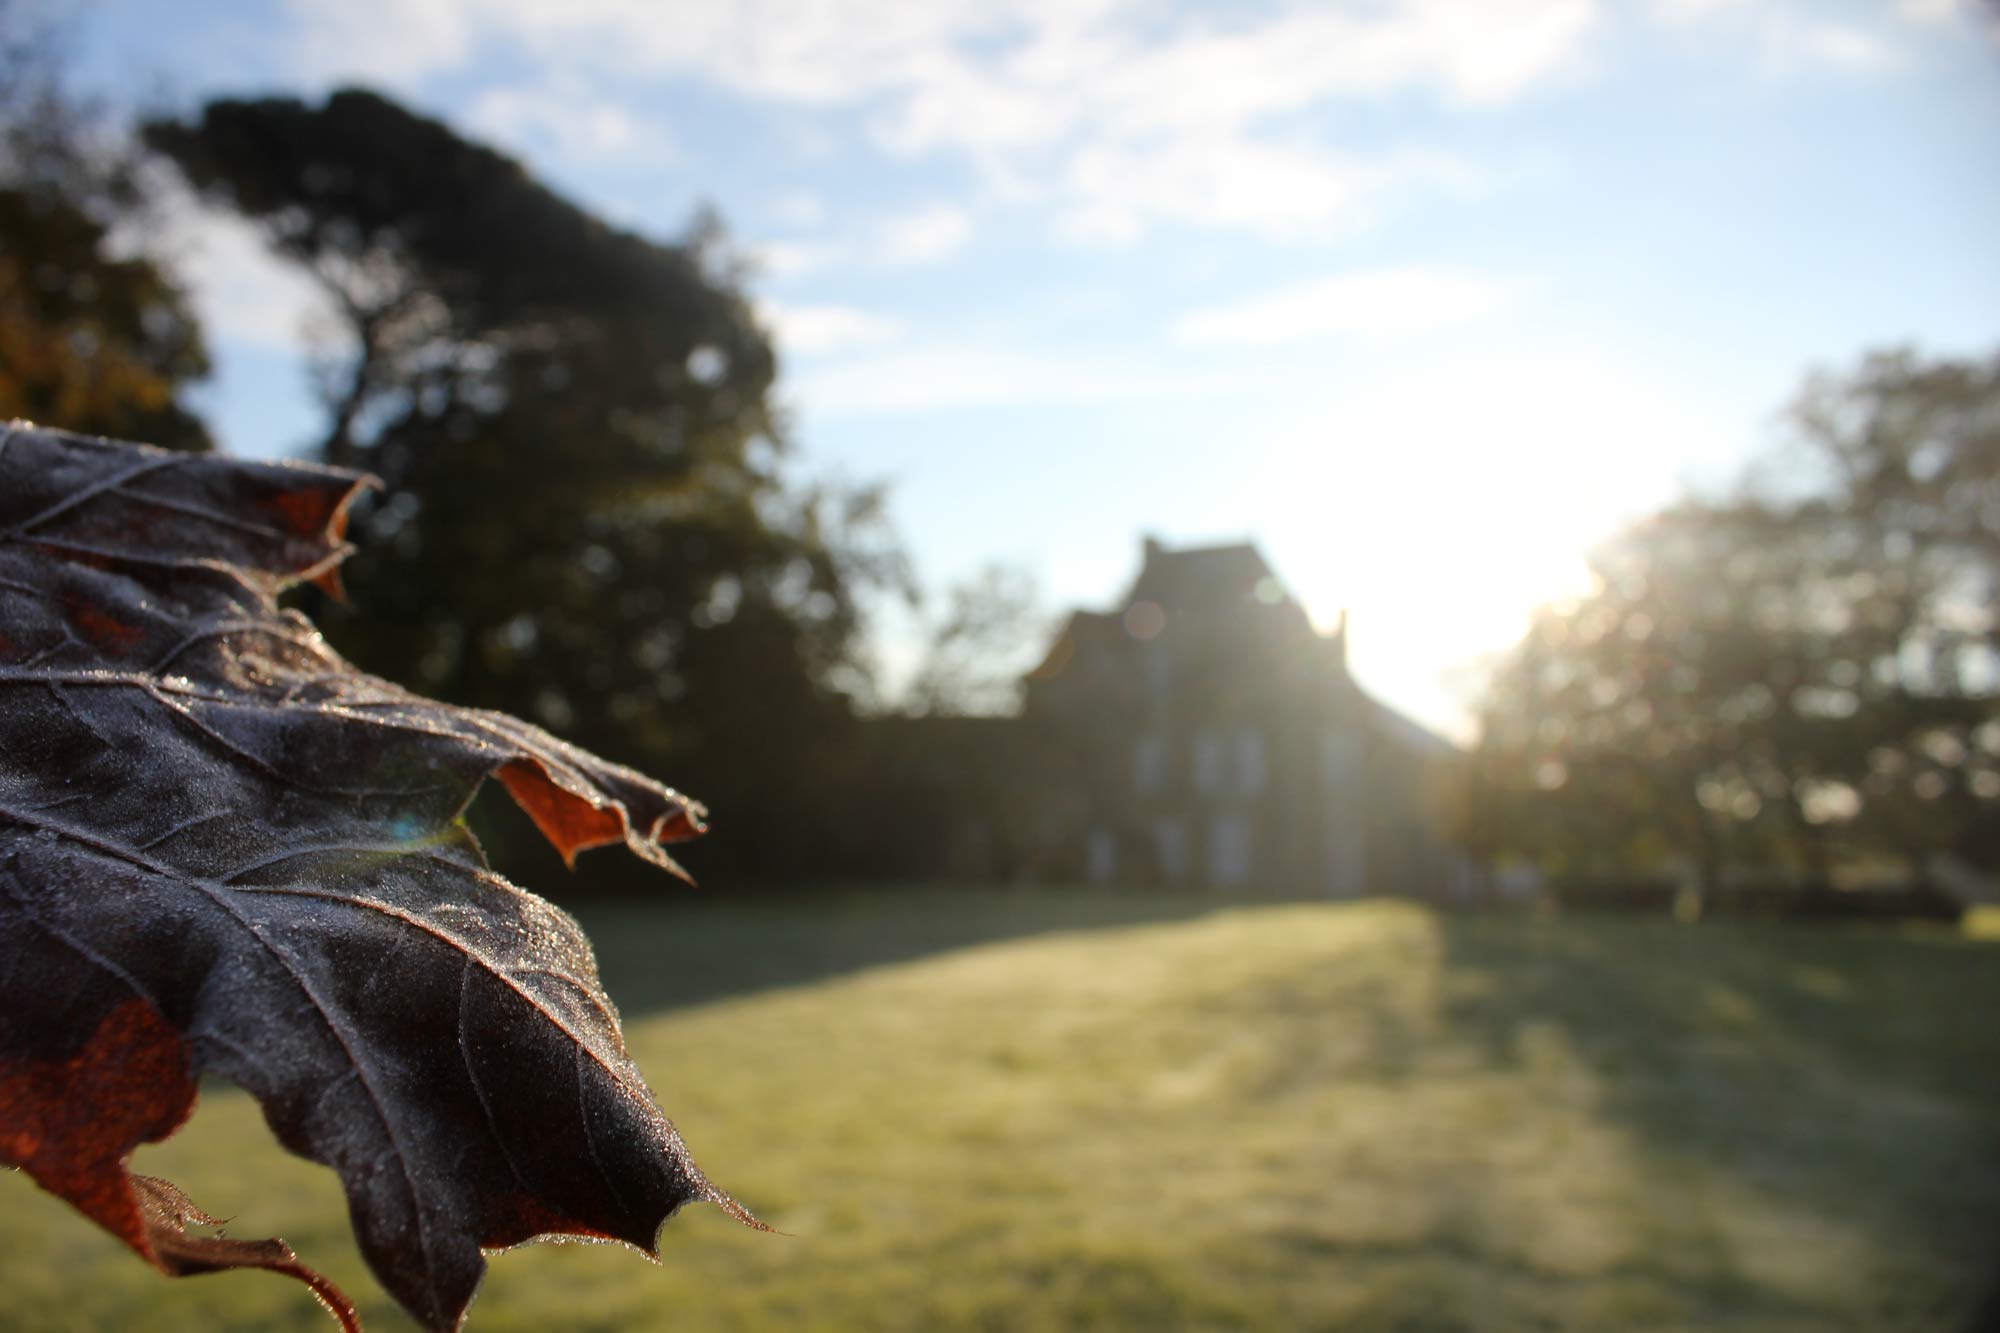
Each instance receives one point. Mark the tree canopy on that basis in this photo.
(95, 335)
(588, 518)
(1804, 672)
(971, 663)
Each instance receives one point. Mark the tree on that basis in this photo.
(591, 520)
(1908, 527)
(1646, 718)
(973, 660)
(1805, 671)
(95, 335)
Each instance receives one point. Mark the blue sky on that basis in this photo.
(1425, 296)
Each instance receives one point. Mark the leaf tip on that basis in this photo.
(721, 1198)
(167, 1213)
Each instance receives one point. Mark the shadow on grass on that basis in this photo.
(1801, 1073)
(665, 944)
(1769, 1089)
(1851, 1073)
(692, 946)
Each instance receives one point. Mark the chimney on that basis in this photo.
(1339, 637)
(1151, 546)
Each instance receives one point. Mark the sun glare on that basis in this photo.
(1440, 510)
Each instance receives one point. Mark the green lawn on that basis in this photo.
(1006, 1111)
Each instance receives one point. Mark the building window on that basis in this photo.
(1339, 759)
(1157, 671)
(1229, 849)
(1170, 847)
(1346, 858)
(1207, 761)
(1100, 855)
(1250, 761)
(1149, 762)
(1344, 822)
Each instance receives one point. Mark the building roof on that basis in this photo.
(1197, 576)
(1203, 579)
(1412, 734)
(1081, 627)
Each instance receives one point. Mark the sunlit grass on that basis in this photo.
(1278, 1117)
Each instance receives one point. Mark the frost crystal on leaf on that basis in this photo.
(224, 850)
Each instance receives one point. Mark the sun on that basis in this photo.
(1440, 508)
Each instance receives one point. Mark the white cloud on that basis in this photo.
(1930, 11)
(1228, 181)
(1796, 34)
(924, 236)
(1689, 11)
(240, 291)
(793, 258)
(1037, 94)
(1938, 13)
(933, 376)
(573, 122)
(920, 237)
(812, 329)
(800, 208)
(394, 42)
(1380, 303)
(1837, 45)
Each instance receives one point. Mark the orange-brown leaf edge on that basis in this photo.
(168, 1213)
(572, 824)
(322, 513)
(72, 1124)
